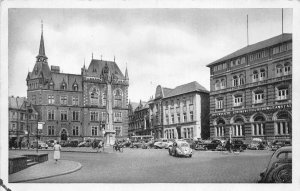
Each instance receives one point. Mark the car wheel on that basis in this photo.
(281, 174)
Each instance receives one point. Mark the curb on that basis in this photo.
(63, 173)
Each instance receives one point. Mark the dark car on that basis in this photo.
(208, 145)
(279, 168)
(191, 143)
(239, 145)
(278, 144)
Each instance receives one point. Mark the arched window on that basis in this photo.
(235, 81)
(75, 86)
(220, 128)
(255, 76)
(223, 84)
(237, 129)
(283, 125)
(217, 85)
(287, 68)
(262, 75)
(241, 79)
(258, 125)
(118, 98)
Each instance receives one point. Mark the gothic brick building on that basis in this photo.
(251, 92)
(78, 106)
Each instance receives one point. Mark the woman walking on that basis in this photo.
(57, 149)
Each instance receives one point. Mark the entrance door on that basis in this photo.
(179, 132)
(63, 135)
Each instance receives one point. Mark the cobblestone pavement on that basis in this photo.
(156, 166)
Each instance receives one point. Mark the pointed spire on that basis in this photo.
(126, 73)
(84, 63)
(42, 46)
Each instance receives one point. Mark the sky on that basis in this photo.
(167, 47)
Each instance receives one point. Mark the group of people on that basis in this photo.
(98, 145)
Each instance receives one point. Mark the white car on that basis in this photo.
(163, 144)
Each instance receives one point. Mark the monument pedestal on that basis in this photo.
(110, 137)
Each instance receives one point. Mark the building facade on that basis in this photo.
(139, 119)
(22, 121)
(186, 112)
(92, 104)
(251, 92)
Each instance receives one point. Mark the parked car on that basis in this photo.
(180, 148)
(163, 144)
(278, 144)
(239, 145)
(136, 145)
(208, 144)
(279, 168)
(191, 143)
(258, 144)
(86, 143)
(50, 142)
(41, 145)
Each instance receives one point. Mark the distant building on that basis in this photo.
(139, 119)
(79, 106)
(251, 92)
(186, 112)
(182, 112)
(22, 120)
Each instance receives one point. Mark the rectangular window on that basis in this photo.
(184, 117)
(94, 116)
(51, 99)
(167, 119)
(219, 104)
(117, 117)
(178, 117)
(118, 131)
(94, 130)
(258, 97)
(103, 116)
(63, 100)
(33, 99)
(75, 100)
(192, 115)
(276, 50)
(289, 46)
(50, 130)
(50, 115)
(75, 131)
(63, 115)
(75, 115)
(172, 118)
(237, 101)
(282, 94)
(224, 65)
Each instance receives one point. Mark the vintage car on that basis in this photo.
(278, 144)
(136, 145)
(163, 144)
(208, 144)
(258, 144)
(239, 145)
(279, 168)
(180, 148)
(41, 145)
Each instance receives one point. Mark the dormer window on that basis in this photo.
(75, 87)
(51, 85)
(63, 86)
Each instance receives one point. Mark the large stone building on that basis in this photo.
(251, 91)
(92, 104)
(182, 112)
(139, 123)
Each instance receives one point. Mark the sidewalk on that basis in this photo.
(45, 170)
(107, 150)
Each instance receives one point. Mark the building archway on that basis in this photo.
(237, 126)
(63, 135)
(219, 128)
(282, 124)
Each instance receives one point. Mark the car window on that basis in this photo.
(284, 155)
(184, 144)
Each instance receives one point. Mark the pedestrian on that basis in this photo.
(57, 149)
(99, 146)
